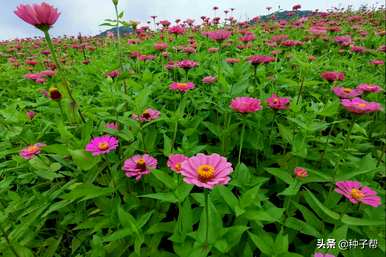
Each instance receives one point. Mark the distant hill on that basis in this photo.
(122, 30)
(286, 15)
(283, 15)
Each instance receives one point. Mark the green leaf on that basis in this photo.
(182, 191)
(119, 234)
(293, 188)
(361, 221)
(302, 227)
(163, 176)
(84, 160)
(281, 243)
(285, 133)
(299, 146)
(263, 241)
(228, 197)
(314, 202)
(167, 197)
(281, 174)
(86, 192)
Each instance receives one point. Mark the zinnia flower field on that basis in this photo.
(194, 138)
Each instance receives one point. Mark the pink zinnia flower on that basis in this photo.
(187, 64)
(182, 87)
(357, 49)
(30, 114)
(332, 75)
(31, 151)
(343, 40)
(356, 193)
(279, 103)
(176, 30)
(102, 145)
(369, 88)
(300, 172)
(219, 35)
(377, 62)
(139, 165)
(206, 170)
(160, 46)
(47, 73)
(245, 104)
(232, 60)
(175, 161)
(112, 125)
(148, 115)
(42, 16)
(113, 74)
(209, 80)
(344, 92)
(323, 255)
(260, 59)
(292, 43)
(296, 7)
(360, 106)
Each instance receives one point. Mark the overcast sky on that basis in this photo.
(85, 15)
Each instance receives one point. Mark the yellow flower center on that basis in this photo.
(146, 114)
(205, 172)
(357, 194)
(177, 166)
(347, 90)
(183, 85)
(32, 149)
(103, 146)
(141, 164)
(275, 100)
(362, 105)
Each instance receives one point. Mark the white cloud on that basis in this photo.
(85, 15)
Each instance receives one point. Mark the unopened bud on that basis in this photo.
(54, 94)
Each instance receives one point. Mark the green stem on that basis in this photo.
(241, 142)
(345, 144)
(206, 193)
(273, 123)
(51, 47)
(300, 90)
(118, 37)
(53, 53)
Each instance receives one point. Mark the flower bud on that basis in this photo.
(54, 94)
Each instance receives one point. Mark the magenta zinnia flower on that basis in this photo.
(139, 165)
(175, 161)
(332, 75)
(148, 115)
(356, 193)
(369, 88)
(42, 16)
(300, 172)
(360, 106)
(206, 170)
(31, 151)
(219, 35)
(209, 80)
(182, 87)
(260, 59)
(187, 64)
(112, 125)
(102, 145)
(344, 92)
(278, 103)
(246, 104)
